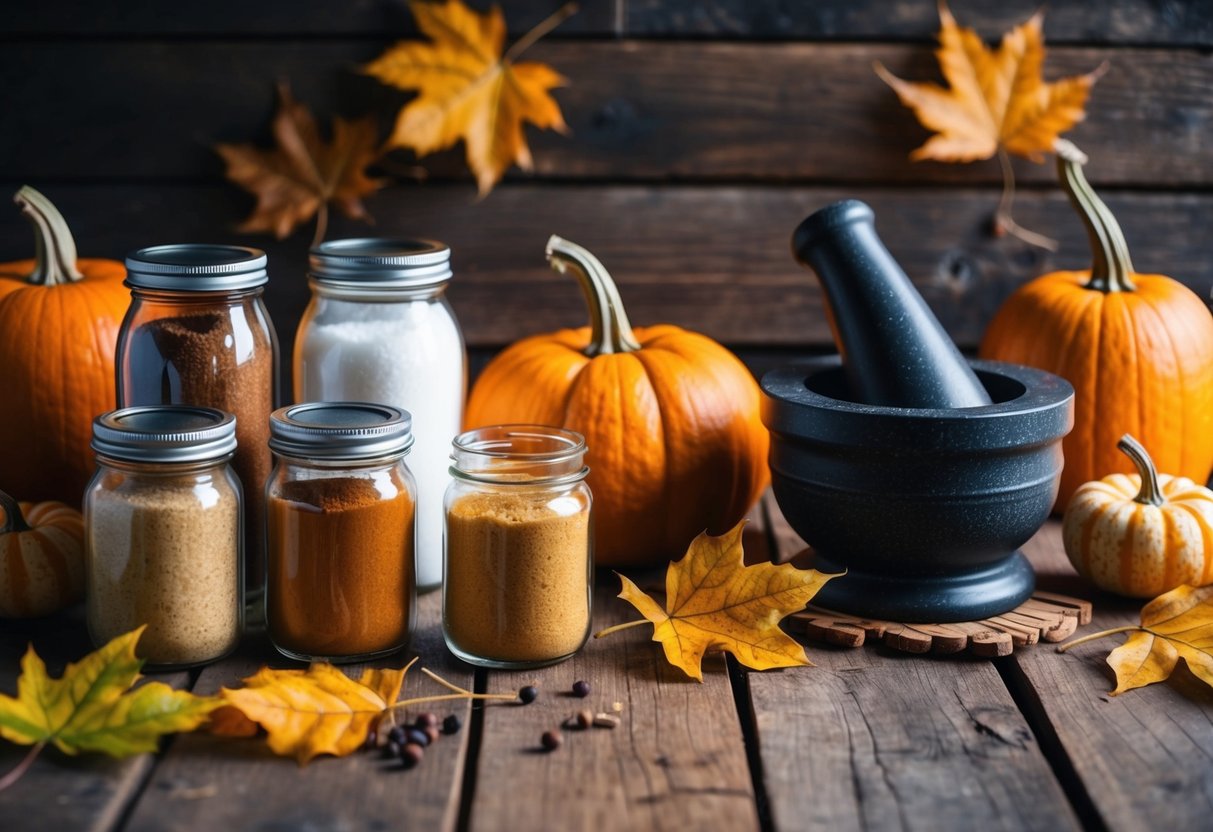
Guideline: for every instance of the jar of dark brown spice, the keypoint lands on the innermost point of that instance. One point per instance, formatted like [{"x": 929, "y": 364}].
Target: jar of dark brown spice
[{"x": 197, "y": 332}]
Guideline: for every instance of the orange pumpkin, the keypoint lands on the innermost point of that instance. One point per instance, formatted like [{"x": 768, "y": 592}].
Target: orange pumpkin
[
  {"x": 1138, "y": 349},
  {"x": 41, "y": 558},
  {"x": 59, "y": 320},
  {"x": 1141, "y": 534},
  {"x": 671, "y": 419}
]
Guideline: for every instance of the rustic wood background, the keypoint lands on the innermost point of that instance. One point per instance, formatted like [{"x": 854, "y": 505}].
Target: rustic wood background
[{"x": 702, "y": 133}]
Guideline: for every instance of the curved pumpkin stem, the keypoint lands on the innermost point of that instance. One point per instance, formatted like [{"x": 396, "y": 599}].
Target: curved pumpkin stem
[
  {"x": 1151, "y": 492},
  {"x": 610, "y": 331},
  {"x": 55, "y": 257},
  {"x": 14, "y": 521},
  {"x": 1111, "y": 268}
]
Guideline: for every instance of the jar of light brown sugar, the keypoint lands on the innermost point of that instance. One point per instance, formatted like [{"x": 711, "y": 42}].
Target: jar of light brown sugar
[
  {"x": 163, "y": 534},
  {"x": 519, "y": 566},
  {"x": 341, "y": 508}
]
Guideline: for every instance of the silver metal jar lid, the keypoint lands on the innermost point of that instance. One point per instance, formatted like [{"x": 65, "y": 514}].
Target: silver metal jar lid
[
  {"x": 165, "y": 433},
  {"x": 196, "y": 267},
  {"x": 340, "y": 430},
  {"x": 371, "y": 263}
]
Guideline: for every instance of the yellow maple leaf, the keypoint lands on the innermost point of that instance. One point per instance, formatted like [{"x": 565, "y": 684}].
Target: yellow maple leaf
[
  {"x": 469, "y": 90},
  {"x": 303, "y": 173},
  {"x": 995, "y": 98},
  {"x": 91, "y": 707},
  {"x": 1175, "y": 625},
  {"x": 715, "y": 602}
]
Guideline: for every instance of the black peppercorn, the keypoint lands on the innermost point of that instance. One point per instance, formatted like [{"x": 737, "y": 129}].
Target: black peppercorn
[
  {"x": 528, "y": 694},
  {"x": 451, "y": 724},
  {"x": 551, "y": 740},
  {"x": 581, "y": 689}
]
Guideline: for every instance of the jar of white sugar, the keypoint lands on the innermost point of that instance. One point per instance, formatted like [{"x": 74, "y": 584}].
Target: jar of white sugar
[
  {"x": 379, "y": 329},
  {"x": 163, "y": 533}
]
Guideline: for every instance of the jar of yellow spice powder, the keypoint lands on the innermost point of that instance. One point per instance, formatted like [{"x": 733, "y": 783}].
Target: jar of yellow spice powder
[{"x": 519, "y": 565}]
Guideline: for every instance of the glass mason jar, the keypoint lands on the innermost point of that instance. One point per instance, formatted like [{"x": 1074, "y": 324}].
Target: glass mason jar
[
  {"x": 341, "y": 503},
  {"x": 163, "y": 534},
  {"x": 519, "y": 565},
  {"x": 379, "y": 329},
  {"x": 197, "y": 332}
]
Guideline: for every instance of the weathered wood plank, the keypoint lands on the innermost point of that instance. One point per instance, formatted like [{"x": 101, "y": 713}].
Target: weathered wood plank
[
  {"x": 1144, "y": 758},
  {"x": 638, "y": 110},
  {"x": 207, "y": 782},
  {"x": 88, "y": 792},
  {"x": 873, "y": 740},
  {"x": 676, "y": 762},
  {"x": 714, "y": 260},
  {"x": 1119, "y": 21}
]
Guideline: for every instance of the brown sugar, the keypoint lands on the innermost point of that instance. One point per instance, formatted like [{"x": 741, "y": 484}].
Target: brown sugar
[
  {"x": 340, "y": 567},
  {"x": 517, "y": 582}
]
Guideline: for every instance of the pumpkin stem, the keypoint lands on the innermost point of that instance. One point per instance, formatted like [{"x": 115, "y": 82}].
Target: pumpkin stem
[
  {"x": 55, "y": 250},
  {"x": 14, "y": 521},
  {"x": 1111, "y": 268},
  {"x": 1150, "y": 492},
  {"x": 610, "y": 331}
]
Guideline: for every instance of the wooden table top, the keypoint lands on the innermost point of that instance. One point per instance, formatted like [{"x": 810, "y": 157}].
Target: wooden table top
[{"x": 867, "y": 739}]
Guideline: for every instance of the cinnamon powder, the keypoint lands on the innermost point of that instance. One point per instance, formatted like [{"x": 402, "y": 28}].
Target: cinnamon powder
[{"x": 340, "y": 567}]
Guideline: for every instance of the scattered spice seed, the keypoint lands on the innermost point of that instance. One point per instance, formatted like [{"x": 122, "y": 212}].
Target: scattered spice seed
[
  {"x": 551, "y": 740},
  {"x": 606, "y": 720},
  {"x": 451, "y": 725},
  {"x": 411, "y": 755},
  {"x": 617, "y": 707},
  {"x": 426, "y": 720},
  {"x": 432, "y": 732},
  {"x": 392, "y": 749},
  {"x": 417, "y": 736},
  {"x": 585, "y": 719},
  {"x": 528, "y": 694},
  {"x": 581, "y": 689}
]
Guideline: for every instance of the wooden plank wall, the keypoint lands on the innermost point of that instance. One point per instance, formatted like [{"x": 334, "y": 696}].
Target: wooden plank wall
[{"x": 702, "y": 133}]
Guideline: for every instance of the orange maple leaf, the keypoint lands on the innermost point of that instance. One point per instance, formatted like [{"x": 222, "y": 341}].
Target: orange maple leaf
[
  {"x": 303, "y": 173},
  {"x": 995, "y": 98},
  {"x": 469, "y": 90}
]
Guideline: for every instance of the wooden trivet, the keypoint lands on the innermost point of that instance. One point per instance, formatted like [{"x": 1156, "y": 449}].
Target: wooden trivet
[{"x": 1046, "y": 616}]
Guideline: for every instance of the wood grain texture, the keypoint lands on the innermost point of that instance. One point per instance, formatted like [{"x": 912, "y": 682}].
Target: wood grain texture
[
  {"x": 638, "y": 110},
  {"x": 714, "y": 260},
  {"x": 869, "y": 739},
  {"x": 1144, "y": 758},
  {"x": 1118, "y": 21},
  {"x": 207, "y": 782},
  {"x": 676, "y": 762},
  {"x": 86, "y": 792}
]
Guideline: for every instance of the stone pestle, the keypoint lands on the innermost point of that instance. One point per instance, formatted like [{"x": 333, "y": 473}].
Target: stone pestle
[{"x": 894, "y": 350}]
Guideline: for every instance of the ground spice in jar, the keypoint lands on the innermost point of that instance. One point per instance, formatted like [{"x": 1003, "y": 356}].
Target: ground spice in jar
[
  {"x": 210, "y": 358},
  {"x": 341, "y": 562},
  {"x": 516, "y": 585}
]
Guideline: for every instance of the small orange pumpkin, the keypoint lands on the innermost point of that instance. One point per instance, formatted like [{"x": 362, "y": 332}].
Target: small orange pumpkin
[
  {"x": 1141, "y": 534},
  {"x": 1138, "y": 349},
  {"x": 670, "y": 417},
  {"x": 59, "y": 320},
  {"x": 41, "y": 558}
]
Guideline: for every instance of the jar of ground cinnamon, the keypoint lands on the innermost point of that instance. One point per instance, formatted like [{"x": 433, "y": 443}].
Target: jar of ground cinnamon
[
  {"x": 197, "y": 333},
  {"x": 519, "y": 566},
  {"x": 341, "y": 510}
]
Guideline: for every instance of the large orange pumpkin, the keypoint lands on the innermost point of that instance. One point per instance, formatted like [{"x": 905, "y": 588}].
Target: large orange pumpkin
[
  {"x": 671, "y": 419},
  {"x": 41, "y": 557},
  {"x": 59, "y": 320},
  {"x": 1138, "y": 349}
]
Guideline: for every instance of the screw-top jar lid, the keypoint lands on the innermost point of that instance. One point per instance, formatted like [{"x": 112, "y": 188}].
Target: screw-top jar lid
[
  {"x": 196, "y": 267},
  {"x": 368, "y": 263},
  {"x": 165, "y": 433},
  {"x": 340, "y": 430}
]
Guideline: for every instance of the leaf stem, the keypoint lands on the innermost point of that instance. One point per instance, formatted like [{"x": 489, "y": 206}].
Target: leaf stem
[
  {"x": 23, "y": 766},
  {"x": 322, "y": 224},
  {"x": 1002, "y": 216},
  {"x": 1061, "y": 648},
  {"x": 619, "y": 627},
  {"x": 542, "y": 28}
]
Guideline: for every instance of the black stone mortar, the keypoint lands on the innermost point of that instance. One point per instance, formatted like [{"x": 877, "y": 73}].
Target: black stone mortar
[{"x": 925, "y": 509}]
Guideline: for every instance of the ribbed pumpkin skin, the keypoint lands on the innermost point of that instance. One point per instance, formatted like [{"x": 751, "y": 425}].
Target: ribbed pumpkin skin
[
  {"x": 56, "y": 374},
  {"x": 42, "y": 568},
  {"x": 1141, "y": 362},
  {"x": 1139, "y": 549},
  {"x": 676, "y": 445}
]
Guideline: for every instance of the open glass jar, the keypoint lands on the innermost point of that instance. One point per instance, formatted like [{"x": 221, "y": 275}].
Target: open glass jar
[
  {"x": 163, "y": 536},
  {"x": 519, "y": 565},
  {"x": 340, "y": 578}
]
